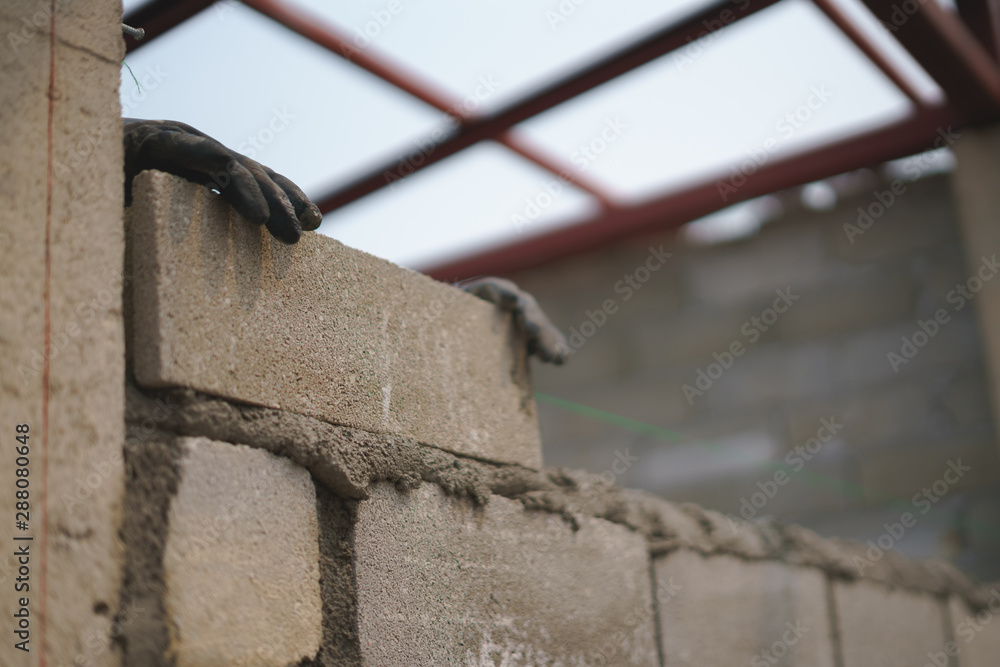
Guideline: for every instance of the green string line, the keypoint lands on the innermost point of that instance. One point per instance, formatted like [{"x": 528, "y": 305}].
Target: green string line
[
  {"x": 805, "y": 476},
  {"x": 133, "y": 76}
]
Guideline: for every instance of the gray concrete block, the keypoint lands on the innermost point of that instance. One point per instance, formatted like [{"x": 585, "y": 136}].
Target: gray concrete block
[
  {"x": 886, "y": 413},
  {"x": 769, "y": 375},
  {"x": 441, "y": 582},
  {"x": 728, "y": 611},
  {"x": 862, "y": 359},
  {"x": 783, "y": 255},
  {"x": 976, "y": 198},
  {"x": 921, "y": 217},
  {"x": 691, "y": 336},
  {"x": 319, "y": 329},
  {"x": 899, "y": 473},
  {"x": 867, "y": 300},
  {"x": 241, "y": 561},
  {"x": 61, "y": 245},
  {"x": 975, "y": 632},
  {"x": 889, "y": 628},
  {"x": 649, "y": 399}
]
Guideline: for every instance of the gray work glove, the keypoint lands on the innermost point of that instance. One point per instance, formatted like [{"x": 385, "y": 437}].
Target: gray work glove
[
  {"x": 259, "y": 194},
  {"x": 545, "y": 341}
]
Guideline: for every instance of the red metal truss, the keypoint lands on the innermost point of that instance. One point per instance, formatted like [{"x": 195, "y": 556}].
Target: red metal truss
[
  {"x": 474, "y": 129},
  {"x": 983, "y": 19},
  {"x": 337, "y": 42},
  {"x": 674, "y": 209},
  {"x": 842, "y": 21},
  {"x": 948, "y": 51},
  {"x": 959, "y": 59},
  {"x": 159, "y": 16}
]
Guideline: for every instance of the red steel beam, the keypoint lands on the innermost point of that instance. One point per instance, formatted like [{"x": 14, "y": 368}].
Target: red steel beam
[
  {"x": 982, "y": 17},
  {"x": 517, "y": 143},
  {"x": 337, "y": 42},
  {"x": 842, "y": 21},
  {"x": 159, "y": 16},
  {"x": 717, "y": 16},
  {"x": 948, "y": 51},
  {"x": 904, "y": 138}
]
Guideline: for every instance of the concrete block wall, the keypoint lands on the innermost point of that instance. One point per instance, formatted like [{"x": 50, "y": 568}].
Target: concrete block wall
[
  {"x": 62, "y": 363},
  {"x": 260, "y": 530},
  {"x": 812, "y": 393},
  {"x": 315, "y": 458}
]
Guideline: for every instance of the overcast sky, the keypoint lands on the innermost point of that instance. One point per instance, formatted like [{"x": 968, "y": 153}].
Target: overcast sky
[{"x": 785, "y": 77}]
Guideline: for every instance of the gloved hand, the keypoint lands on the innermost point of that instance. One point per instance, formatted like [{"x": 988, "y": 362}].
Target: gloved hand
[
  {"x": 545, "y": 341},
  {"x": 259, "y": 194}
]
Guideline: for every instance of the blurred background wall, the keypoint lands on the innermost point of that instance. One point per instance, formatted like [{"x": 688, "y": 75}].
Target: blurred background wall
[{"x": 872, "y": 432}]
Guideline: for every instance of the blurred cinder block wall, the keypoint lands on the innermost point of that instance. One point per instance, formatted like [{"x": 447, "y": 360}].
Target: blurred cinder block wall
[{"x": 783, "y": 354}]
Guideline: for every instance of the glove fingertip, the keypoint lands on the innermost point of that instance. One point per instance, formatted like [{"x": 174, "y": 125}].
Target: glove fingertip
[{"x": 311, "y": 218}]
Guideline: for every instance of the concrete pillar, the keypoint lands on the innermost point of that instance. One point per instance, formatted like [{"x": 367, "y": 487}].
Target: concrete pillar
[
  {"x": 61, "y": 333},
  {"x": 976, "y": 185}
]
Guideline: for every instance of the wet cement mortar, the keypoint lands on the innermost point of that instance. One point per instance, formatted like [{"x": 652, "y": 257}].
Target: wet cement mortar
[{"x": 347, "y": 461}]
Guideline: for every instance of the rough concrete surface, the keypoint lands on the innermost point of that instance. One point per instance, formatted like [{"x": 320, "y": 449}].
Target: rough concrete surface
[
  {"x": 977, "y": 199},
  {"x": 241, "y": 560},
  {"x": 154, "y": 475},
  {"x": 885, "y": 627},
  {"x": 976, "y": 633},
  {"x": 319, "y": 329},
  {"x": 349, "y": 460},
  {"x": 61, "y": 201},
  {"x": 442, "y": 582},
  {"x": 726, "y": 611}
]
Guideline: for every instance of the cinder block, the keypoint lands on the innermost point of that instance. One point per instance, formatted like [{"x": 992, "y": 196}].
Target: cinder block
[
  {"x": 691, "y": 336},
  {"x": 241, "y": 560},
  {"x": 853, "y": 303},
  {"x": 922, "y": 216},
  {"x": 61, "y": 246},
  {"x": 891, "y": 412},
  {"x": 440, "y": 582},
  {"x": 934, "y": 472},
  {"x": 648, "y": 399},
  {"x": 888, "y": 628},
  {"x": 976, "y": 633},
  {"x": 863, "y": 359},
  {"x": 728, "y": 611},
  {"x": 976, "y": 198},
  {"x": 783, "y": 255},
  {"x": 769, "y": 374},
  {"x": 319, "y": 329}
]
